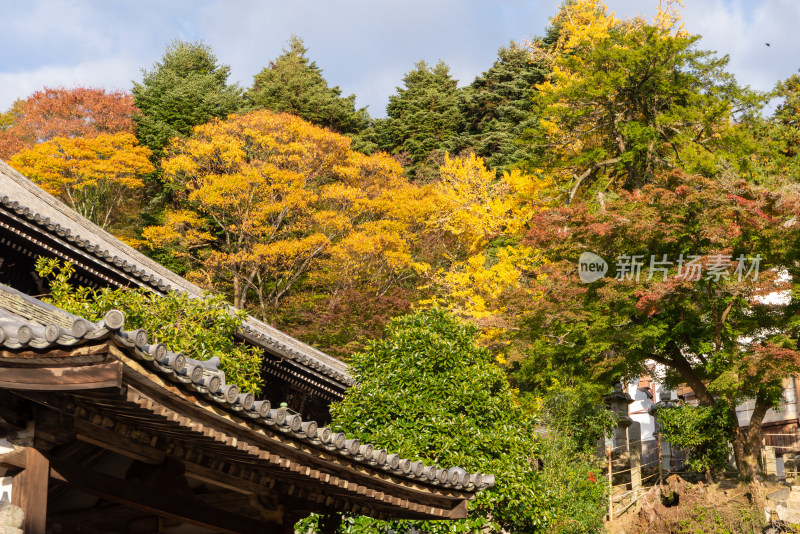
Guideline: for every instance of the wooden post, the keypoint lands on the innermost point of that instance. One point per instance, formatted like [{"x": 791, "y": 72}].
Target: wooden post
[
  {"x": 635, "y": 448},
  {"x": 660, "y": 465},
  {"x": 610, "y": 490},
  {"x": 29, "y": 491}
]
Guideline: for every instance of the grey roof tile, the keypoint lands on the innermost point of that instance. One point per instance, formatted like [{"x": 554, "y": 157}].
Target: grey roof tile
[{"x": 206, "y": 379}]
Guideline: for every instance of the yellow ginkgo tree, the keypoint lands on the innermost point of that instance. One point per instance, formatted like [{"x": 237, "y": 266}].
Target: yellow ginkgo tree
[{"x": 481, "y": 218}]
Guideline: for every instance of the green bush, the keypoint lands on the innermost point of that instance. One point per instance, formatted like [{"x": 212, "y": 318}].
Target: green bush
[
  {"x": 200, "y": 328},
  {"x": 575, "y": 419},
  {"x": 430, "y": 393},
  {"x": 702, "y": 431}
]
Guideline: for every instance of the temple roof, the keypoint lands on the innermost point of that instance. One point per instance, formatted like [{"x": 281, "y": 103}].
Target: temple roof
[
  {"x": 45, "y": 349},
  {"x": 108, "y": 258}
]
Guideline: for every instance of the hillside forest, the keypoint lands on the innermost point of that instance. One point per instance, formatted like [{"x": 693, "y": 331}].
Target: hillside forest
[{"x": 455, "y": 224}]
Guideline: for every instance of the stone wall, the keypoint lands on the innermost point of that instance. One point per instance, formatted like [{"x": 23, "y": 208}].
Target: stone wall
[{"x": 11, "y": 517}]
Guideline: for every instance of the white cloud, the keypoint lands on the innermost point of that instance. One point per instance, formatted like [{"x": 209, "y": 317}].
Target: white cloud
[
  {"x": 111, "y": 73},
  {"x": 363, "y": 46}
]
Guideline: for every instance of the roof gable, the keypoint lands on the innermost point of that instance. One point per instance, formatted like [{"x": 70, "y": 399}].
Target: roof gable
[{"x": 32, "y": 207}]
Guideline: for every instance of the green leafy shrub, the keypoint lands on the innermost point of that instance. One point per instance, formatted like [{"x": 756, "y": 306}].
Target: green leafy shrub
[
  {"x": 703, "y": 431},
  {"x": 574, "y": 419},
  {"x": 428, "y": 392},
  {"x": 578, "y": 412},
  {"x": 576, "y": 490},
  {"x": 200, "y": 328}
]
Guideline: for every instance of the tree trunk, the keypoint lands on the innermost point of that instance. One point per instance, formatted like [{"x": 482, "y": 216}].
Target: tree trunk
[{"x": 747, "y": 441}]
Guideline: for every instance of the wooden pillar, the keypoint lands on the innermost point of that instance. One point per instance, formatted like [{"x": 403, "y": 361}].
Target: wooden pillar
[
  {"x": 610, "y": 489},
  {"x": 635, "y": 448},
  {"x": 29, "y": 491}
]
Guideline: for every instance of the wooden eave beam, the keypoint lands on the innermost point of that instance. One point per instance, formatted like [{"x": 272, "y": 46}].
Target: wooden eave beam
[
  {"x": 220, "y": 425},
  {"x": 214, "y": 423},
  {"x": 247, "y": 478},
  {"x": 46, "y": 357},
  {"x": 62, "y": 378},
  {"x": 44, "y": 242},
  {"x": 110, "y": 440}
]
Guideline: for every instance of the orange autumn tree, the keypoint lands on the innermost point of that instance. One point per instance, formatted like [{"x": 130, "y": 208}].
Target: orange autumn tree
[
  {"x": 50, "y": 113},
  {"x": 99, "y": 177},
  {"x": 265, "y": 201}
]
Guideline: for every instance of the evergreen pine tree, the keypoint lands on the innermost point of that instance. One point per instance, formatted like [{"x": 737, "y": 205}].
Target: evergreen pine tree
[
  {"x": 294, "y": 84},
  {"x": 188, "y": 87},
  {"x": 498, "y": 107},
  {"x": 422, "y": 118}
]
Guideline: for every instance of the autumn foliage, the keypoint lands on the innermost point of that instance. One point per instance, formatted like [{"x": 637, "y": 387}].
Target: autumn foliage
[
  {"x": 50, "y": 113},
  {"x": 709, "y": 300},
  {"x": 620, "y": 137},
  {"x": 97, "y": 176}
]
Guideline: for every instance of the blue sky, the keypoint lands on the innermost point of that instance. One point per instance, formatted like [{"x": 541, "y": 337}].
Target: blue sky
[{"x": 363, "y": 46}]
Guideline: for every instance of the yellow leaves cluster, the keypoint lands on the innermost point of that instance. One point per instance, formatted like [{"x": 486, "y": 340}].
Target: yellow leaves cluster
[
  {"x": 471, "y": 202},
  {"x": 477, "y": 285},
  {"x": 265, "y": 200},
  {"x": 668, "y": 15},
  {"x": 376, "y": 255},
  {"x": 473, "y": 208},
  {"x": 96, "y": 176},
  {"x": 182, "y": 226},
  {"x": 473, "y": 205},
  {"x": 582, "y": 23}
]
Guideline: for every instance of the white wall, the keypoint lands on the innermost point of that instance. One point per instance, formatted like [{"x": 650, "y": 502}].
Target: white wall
[
  {"x": 5, "y": 481},
  {"x": 788, "y": 409},
  {"x": 638, "y": 409}
]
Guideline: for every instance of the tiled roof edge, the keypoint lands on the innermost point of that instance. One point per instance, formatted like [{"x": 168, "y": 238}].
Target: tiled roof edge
[
  {"x": 153, "y": 281},
  {"x": 206, "y": 379}
]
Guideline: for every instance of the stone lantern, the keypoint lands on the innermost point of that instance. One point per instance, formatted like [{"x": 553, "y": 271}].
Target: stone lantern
[{"x": 618, "y": 401}]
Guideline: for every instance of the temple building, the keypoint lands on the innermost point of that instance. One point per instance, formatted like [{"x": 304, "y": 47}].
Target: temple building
[{"x": 105, "y": 429}]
